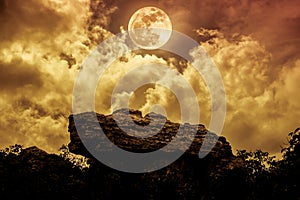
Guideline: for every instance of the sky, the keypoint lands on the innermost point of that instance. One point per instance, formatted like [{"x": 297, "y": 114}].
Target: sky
[{"x": 254, "y": 44}]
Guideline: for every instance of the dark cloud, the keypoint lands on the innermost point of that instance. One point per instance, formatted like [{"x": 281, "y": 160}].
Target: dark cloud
[
  {"x": 69, "y": 58},
  {"x": 275, "y": 24},
  {"x": 2, "y": 5},
  {"x": 18, "y": 74},
  {"x": 29, "y": 17},
  {"x": 100, "y": 17},
  {"x": 22, "y": 103}
]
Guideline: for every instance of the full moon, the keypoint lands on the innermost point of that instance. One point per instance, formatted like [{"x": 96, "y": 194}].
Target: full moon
[{"x": 150, "y": 28}]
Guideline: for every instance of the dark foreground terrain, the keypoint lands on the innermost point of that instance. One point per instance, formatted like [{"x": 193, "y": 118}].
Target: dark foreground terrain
[{"x": 32, "y": 173}]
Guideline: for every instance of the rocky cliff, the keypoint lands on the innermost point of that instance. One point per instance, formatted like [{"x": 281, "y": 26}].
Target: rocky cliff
[
  {"x": 189, "y": 177},
  {"x": 140, "y": 144}
]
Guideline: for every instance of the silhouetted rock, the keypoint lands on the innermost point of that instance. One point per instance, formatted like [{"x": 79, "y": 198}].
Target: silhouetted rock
[
  {"x": 125, "y": 140},
  {"x": 186, "y": 178}
]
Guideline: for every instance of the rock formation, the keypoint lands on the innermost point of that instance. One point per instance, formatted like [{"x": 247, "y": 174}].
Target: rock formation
[
  {"x": 140, "y": 144},
  {"x": 188, "y": 177}
]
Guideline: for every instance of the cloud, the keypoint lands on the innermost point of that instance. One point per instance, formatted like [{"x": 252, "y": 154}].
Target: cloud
[
  {"x": 41, "y": 41},
  {"x": 274, "y": 24},
  {"x": 16, "y": 74},
  {"x": 256, "y": 102},
  {"x": 261, "y": 103}
]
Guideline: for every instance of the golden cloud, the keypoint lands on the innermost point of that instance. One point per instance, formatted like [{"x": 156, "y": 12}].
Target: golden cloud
[
  {"x": 42, "y": 39},
  {"x": 45, "y": 42}
]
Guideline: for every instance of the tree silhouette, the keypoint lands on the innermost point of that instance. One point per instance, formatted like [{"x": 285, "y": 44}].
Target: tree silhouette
[{"x": 291, "y": 153}]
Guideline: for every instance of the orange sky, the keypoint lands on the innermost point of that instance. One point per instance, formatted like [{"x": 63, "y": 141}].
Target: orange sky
[{"x": 255, "y": 45}]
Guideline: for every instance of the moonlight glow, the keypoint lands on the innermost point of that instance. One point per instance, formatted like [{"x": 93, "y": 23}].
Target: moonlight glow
[{"x": 150, "y": 28}]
